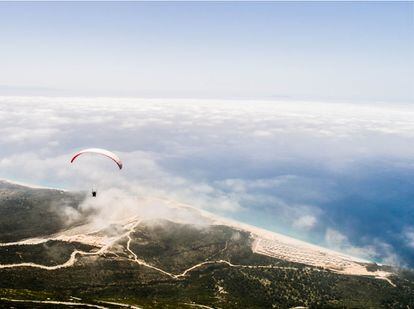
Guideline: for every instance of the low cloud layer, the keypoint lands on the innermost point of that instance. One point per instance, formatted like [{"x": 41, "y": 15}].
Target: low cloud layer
[{"x": 337, "y": 174}]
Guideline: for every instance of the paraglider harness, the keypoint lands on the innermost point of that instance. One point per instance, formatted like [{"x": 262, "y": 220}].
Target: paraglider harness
[{"x": 93, "y": 193}]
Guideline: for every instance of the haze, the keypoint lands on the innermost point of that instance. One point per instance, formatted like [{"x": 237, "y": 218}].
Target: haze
[
  {"x": 321, "y": 50},
  {"x": 295, "y": 117}
]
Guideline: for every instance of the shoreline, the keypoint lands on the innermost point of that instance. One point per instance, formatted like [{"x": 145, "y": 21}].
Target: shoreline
[{"x": 32, "y": 186}]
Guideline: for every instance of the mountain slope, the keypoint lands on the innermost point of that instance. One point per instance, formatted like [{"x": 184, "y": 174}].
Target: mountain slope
[{"x": 161, "y": 263}]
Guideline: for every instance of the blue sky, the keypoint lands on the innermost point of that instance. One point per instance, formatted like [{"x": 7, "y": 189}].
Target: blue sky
[{"x": 320, "y": 50}]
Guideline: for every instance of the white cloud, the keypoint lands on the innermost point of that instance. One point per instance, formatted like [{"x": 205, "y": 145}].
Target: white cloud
[
  {"x": 306, "y": 222},
  {"x": 225, "y": 156},
  {"x": 408, "y": 235},
  {"x": 374, "y": 251},
  {"x": 335, "y": 238}
]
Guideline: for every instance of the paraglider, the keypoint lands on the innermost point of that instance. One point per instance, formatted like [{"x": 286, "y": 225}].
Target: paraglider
[{"x": 102, "y": 152}]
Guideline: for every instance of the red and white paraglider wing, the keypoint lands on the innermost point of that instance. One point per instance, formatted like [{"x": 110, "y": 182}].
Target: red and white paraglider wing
[{"x": 103, "y": 152}]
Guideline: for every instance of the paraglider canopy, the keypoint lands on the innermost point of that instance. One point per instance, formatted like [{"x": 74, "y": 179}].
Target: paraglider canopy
[
  {"x": 99, "y": 151},
  {"x": 102, "y": 152}
]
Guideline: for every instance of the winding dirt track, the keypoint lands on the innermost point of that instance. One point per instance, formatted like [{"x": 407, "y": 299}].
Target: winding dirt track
[
  {"x": 106, "y": 248},
  {"x": 53, "y": 302},
  {"x": 70, "y": 303}
]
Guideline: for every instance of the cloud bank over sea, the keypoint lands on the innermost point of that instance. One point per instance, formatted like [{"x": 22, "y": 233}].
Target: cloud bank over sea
[{"x": 336, "y": 174}]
